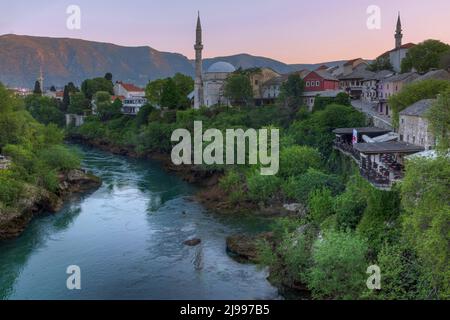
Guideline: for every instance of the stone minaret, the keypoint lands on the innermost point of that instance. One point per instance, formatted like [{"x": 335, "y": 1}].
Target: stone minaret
[
  {"x": 398, "y": 33},
  {"x": 199, "y": 99},
  {"x": 41, "y": 79}
]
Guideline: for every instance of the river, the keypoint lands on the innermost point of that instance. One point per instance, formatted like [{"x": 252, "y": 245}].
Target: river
[{"x": 127, "y": 238}]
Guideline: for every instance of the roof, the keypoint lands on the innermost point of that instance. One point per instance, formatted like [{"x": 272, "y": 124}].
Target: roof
[
  {"x": 434, "y": 74},
  {"x": 359, "y": 74},
  {"x": 351, "y": 62},
  {"x": 387, "y": 147},
  {"x": 403, "y": 77},
  {"x": 408, "y": 45},
  {"x": 130, "y": 87},
  {"x": 366, "y": 130},
  {"x": 418, "y": 108},
  {"x": 221, "y": 67},
  {"x": 325, "y": 75},
  {"x": 114, "y": 98},
  {"x": 380, "y": 75}
]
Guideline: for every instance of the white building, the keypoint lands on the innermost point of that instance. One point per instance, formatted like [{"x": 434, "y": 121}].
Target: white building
[
  {"x": 134, "y": 97},
  {"x": 214, "y": 83}
]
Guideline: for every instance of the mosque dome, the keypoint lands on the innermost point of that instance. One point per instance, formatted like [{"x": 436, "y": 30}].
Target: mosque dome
[{"x": 221, "y": 67}]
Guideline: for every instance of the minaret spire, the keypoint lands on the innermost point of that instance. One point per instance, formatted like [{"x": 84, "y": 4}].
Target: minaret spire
[
  {"x": 398, "y": 33},
  {"x": 198, "y": 91},
  {"x": 41, "y": 79}
]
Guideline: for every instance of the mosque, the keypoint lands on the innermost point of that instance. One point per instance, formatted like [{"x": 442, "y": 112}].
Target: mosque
[{"x": 209, "y": 85}]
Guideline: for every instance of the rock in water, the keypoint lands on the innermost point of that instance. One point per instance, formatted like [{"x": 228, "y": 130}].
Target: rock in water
[{"x": 193, "y": 242}]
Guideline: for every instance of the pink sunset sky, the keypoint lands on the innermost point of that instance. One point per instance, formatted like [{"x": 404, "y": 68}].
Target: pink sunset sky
[{"x": 292, "y": 31}]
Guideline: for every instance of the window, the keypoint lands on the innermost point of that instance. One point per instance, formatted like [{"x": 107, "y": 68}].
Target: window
[
  {"x": 256, "y": 82},
  {"x": 317, "y": 83},
  {"x": 308, "y": 83}
]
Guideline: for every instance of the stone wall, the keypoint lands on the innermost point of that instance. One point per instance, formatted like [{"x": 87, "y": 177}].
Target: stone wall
[{"x": 415, "y": 130}]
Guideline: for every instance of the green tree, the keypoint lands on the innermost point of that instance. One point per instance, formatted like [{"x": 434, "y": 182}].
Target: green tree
[
  {"x": 339, "y": 266},
  {"x": 90, "y": 87},
  {"x": 292, "y": 90},
  {"x": 262, "y": 188},
  {"x": 106, "y": 110},
  {"x": 78, "y": 103},
  {"x": 439, "y": 118},
  {"x": 317, "y": 130},
  {"x": 109, "y": 76},
  {"x": 321, "y": 205},
  {"x": 170, "y": 95},
  {"x": 426, "y": 199},
  {"x": 154, "y": 91},
  {"x": 425, "y": 56},
  {"x": 299, "y": 188},
  {"x": 185, "y": 85},
  {"x": 350, "y": 205},
  {"x": 66, "y": 99},
  {"x": 44, "y": 109},
  {"x": 238, "y": 89},
  {"x": 37, "y": 88},
  {"x": 296, "y": 160},
  {"x": 402, "y": 277},
  {"x": 381, "y": 63}
]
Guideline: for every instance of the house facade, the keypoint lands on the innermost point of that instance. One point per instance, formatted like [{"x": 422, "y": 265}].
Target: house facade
[
  {"x": 391, "y": 86},
  {"x": 320, "y": 80},
  {"x": 132, "y": 97},
  {"x": 414, "y": 127}
]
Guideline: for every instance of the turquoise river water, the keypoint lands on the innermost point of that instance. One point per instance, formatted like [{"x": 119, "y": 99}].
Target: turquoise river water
[{"x": 127, "y": 238}]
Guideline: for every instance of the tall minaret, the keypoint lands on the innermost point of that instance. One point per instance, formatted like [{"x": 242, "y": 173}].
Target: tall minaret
[
  {"x": 398, "y": 33},
  {"x": 41, "y": 79},
  {"x": 198, "y": 91}
]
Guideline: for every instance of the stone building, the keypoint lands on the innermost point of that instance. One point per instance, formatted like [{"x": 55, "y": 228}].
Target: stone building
[
  {"x": 391, "y": 86},
  {"x": 258, "y": 78},
  {"x": 214, "y": 83},
  {"x": 414, "y": 127}
]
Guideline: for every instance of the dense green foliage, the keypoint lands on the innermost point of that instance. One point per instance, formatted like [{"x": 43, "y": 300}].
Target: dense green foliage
[
  {"x": 238, "y": 89},
  {"x": 170, "y": 93},
  {"x": 439, "y": 118},
  {"x": 425, "y": 56},
  {"x": 35, "y": 150}
]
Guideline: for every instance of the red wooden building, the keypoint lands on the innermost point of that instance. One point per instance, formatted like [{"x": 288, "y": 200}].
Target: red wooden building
[{"x": 320, "y": 80}]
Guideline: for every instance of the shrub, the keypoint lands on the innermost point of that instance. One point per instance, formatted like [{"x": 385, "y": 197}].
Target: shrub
[
  {"x": 339, "y": 266},
  {"x": 351, "y": 204},
  {"x": 402, "y": 277},
  {"x": 296, "y": 160},
  {"x": 262, "y": 188},
  {"x": 60, "y": 158},
  {"x": 321, "y": 205},
  {"x": 10, "y": 190},
  {"x": 299, "y": 188}
]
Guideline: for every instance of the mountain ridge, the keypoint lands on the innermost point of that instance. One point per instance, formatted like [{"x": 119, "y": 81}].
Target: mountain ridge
[{"x": 70, "y": 59}]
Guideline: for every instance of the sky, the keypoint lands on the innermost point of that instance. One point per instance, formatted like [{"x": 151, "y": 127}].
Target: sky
[{"x": 292, "y": 31}]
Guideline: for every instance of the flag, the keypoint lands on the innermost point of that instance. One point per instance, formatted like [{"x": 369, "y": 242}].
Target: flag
[{"x": 355, "y": 136}]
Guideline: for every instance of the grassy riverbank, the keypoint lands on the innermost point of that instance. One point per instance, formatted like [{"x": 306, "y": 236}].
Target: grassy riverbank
[{"x": 41, "y": 170}]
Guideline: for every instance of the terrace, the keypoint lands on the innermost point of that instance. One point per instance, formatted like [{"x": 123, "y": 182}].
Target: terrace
[{"x": 381, "y": 163}]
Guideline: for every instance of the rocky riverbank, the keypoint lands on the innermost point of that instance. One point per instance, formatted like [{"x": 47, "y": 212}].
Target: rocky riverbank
[{"x": 13, "y": 221}]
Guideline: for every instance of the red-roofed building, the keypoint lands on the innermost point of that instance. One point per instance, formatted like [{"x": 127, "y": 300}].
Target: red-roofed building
[
  {"x": 128, "y": 90},
  {"x": 320, "y": 80}
]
